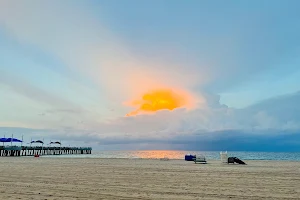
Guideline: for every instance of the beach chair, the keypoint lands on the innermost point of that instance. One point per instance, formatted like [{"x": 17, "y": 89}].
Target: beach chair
[
  {"x": 224, "y": 157},
  {"x": 200, "y": 159}
]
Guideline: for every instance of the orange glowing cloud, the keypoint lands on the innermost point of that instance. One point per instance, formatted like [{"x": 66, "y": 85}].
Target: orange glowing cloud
[{"x": 160, "y": 99}]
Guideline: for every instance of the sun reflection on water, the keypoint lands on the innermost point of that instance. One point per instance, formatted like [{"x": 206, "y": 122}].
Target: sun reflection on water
[{"x": 154, "y": 154}]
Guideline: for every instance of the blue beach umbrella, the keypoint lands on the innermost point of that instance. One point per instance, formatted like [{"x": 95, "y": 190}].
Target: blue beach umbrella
[
  {"x": 3, "y": 139},
  {"x": 13, "y": 140},
  {"x": 10, "y": 140}
]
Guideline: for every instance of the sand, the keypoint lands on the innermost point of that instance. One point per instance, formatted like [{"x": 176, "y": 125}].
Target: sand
[{"x": 92, "y": 178}]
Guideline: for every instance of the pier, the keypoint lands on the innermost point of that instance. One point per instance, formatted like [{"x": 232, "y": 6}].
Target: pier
[{"x": 40, "y": 150}]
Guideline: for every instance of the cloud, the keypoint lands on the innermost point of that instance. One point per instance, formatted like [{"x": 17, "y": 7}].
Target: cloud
[
  {"x": 281, "y": 112},
  {"x": 210, "y": 128},
  {"x": 230, "y": 140},
  {"x": 264, "y": 126}
]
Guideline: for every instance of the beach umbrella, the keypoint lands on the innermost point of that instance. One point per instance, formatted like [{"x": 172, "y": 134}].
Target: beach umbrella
[
  {"x": 3, "y": 139},
  {"x": 16, "y": 140},
  {"x": 13, "y": 140},
  {"x": 55, "y": 143},
  {"x": 10, "y": 140},
  {"x": 37, "y": 141}
]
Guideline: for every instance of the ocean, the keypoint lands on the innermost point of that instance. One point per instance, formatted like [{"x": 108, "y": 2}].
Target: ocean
[{"x": 210, "y": 155}]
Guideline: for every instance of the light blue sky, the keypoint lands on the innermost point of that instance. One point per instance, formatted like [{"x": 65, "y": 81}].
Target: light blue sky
[
  {"x": 71, "y": 65},
  {"x": 253, "y": 44}
]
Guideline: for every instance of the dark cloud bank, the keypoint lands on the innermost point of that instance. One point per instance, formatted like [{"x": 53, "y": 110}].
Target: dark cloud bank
[{"x": 230, "y": 140}]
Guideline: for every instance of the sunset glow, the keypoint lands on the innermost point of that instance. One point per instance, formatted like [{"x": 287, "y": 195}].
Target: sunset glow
[{"x": 160, "y": 99}]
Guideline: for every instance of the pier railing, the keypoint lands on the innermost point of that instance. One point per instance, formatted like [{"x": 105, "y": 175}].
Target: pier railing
[{"x": 41, "y": 150}]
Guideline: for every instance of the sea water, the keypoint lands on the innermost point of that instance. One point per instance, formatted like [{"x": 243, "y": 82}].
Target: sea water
[{"x": 210, "y": 155}]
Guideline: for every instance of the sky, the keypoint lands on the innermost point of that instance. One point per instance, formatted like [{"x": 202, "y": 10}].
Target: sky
[{"x": 169, "y": 74}]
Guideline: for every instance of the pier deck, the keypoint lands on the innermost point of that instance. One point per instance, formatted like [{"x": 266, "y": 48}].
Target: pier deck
[{"x": 33, "y": 150}]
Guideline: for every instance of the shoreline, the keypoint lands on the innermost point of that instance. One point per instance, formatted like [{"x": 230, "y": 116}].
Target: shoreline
[{"x": 159, "y": 159}]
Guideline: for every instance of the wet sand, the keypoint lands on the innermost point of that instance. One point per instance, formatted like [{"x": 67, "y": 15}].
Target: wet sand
[{"x": 91, "y": 178}]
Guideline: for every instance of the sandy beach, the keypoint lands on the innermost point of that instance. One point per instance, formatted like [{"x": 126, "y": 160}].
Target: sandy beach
[{"x": 91, "y": 178}]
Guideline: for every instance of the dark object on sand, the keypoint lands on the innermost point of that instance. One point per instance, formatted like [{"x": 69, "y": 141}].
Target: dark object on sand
[
  {"x": 230, "y": 160},
  {"x": 235, "y": 160},
  {"x": 239, "y": 161},
  {"x": 190, "y": 157}
]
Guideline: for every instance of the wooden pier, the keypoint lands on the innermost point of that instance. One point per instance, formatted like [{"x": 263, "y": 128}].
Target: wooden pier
[{"x": 39, "y": 150}]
